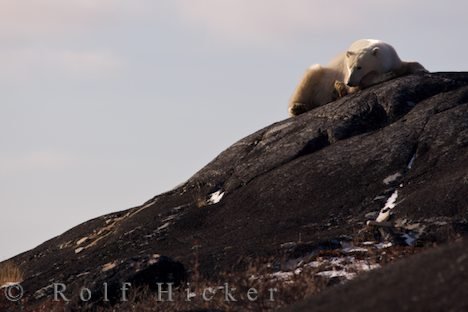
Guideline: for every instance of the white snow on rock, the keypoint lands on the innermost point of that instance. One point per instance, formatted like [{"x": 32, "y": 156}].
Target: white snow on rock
[
  {"x": 81, "y": 241},
  {"x": 364, "y": 266},
  {"x": 348, "y": 247},
  {"x": 215, "y": 197},
  {"x": 355, "y": 249},
  {"x": 389, "y": 205},
  {"x": 392, "y": 178},
  {"x": 83, "y": 274},
  {"x": 379, "y": 197},
  {"x": 411, "y": 162},
  {"x": 163, "y": 227},
  {"x": 343, "y": 267},
  {"x": 337, "y": 273},
  {"x": 347, "y": 267},
  {"x": 383, "y": 245},
  {"x": 65, "y": 245},
  {"x": 170, "y": 218},
  {"x": 78, "y": 250},
  {"x": 109, "y": 266},
  {"x": 282, "y": 275}
]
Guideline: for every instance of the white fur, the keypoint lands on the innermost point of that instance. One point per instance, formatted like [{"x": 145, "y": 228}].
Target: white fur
[
  {"x": 373, "y": 66},
  {"x": 367, "y": 62}
]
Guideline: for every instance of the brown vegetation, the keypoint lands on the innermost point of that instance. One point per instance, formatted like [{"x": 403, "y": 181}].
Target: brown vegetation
[{"x": 10, "y": 273}]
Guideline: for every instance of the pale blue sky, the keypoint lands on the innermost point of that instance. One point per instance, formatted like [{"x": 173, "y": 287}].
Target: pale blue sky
[{"x": 106, "y": 103}]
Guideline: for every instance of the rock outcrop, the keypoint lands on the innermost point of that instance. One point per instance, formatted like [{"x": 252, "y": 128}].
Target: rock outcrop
[
  {"x": 433, "y": 281},
  {"x": 396, "y": 152}
]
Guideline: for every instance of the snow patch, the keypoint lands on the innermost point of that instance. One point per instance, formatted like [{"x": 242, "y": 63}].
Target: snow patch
[
  {"x": 392, "y": 178},
  {"x": 347, "y": 267},
  {"x": 383, "y": 245},
  {"x": 351, "y": 248},
  {"x": 337, "y": 273},
  {"x": 215, "y": 197},
  {"x": 109, "y": 266},
  {"x": 364, "y": 266},
  {"x": 411, "y": 162},
  {"x": 169, "y": 218},
  {"x": 131, "y": 231},
  {"x": 83, "y": 274},
  {"x": 314, "y": 264},
  {"x": 163, "y": 227},
  {"x": 282, "y": 275},
  {"x": 355, "y": 249},
  {"x": 78, "y": 250},
  {"x": 81, "y": 241},
  {"x": 65, "y": 245},
  {"x": 389, "y": 205}
]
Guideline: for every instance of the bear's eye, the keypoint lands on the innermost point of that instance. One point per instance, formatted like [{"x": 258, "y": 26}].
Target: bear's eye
[{"x": 358, "y": 67}]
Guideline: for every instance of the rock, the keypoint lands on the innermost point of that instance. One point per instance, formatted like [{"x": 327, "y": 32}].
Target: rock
[
  {"x": 104, "y": 283},
  {"x": 433, "y": 281},
  {"x": 294, "y": 189}
]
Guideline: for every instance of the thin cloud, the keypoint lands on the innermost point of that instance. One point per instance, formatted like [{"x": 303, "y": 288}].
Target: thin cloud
[
  {"x": 249, "y": 20},
  {"x": 269, "y": 20},
  {"x": 20, "y": 64},
  {"x": 37, "y": 19},
  {"x": 36, "y": 160},
  {"x": 254, "y": 20},
  {"x": 89, "y": 62}
]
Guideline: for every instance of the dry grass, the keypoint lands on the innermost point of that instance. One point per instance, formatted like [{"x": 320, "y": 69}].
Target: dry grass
[
  {"x": 10, "y": 273},
  {"x": 258, "y": 275},
  {"x": 198, "y": 198},
  {"x": 269, "y": 294}
]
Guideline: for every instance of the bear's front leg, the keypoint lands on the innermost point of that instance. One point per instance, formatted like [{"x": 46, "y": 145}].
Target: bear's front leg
[
  {"x": 297, "y": 108},
  {"x": 341, "y": 89}
]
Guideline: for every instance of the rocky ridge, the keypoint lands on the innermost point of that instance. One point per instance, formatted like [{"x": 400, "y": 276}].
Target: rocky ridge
[{"x": 380, "y": 170}]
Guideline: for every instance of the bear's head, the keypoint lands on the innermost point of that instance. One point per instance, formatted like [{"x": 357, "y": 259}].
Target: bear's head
[{"x": 363, "y": 66}]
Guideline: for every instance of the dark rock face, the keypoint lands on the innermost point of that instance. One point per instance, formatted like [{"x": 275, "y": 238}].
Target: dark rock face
[
  {"x": 432, "y": 281},
  {"x": 309, "y": 182}
]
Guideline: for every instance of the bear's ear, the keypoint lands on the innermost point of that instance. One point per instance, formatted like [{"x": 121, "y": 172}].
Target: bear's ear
[
  {"x": 349, "y": 53},
  {"x": 375, "y": 51}
]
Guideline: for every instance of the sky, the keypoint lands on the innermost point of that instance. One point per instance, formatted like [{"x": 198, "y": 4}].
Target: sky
[{"x": 107, "y": 103}]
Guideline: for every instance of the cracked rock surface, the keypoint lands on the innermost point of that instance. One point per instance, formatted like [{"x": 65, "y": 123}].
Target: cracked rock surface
[{"x": 317, "y": 178}]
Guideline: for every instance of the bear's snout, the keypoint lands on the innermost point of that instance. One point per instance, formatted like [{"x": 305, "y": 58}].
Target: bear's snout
[{"x": 351, "y": 83}]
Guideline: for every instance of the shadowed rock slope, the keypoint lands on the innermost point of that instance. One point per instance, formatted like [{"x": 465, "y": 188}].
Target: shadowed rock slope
[
  {"x": 286, "y": 192},
  {"x": 433, "y": 281}
]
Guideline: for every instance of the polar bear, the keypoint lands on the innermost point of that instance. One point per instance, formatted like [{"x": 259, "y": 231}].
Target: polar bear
[{"x": 367, "y": 62}]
